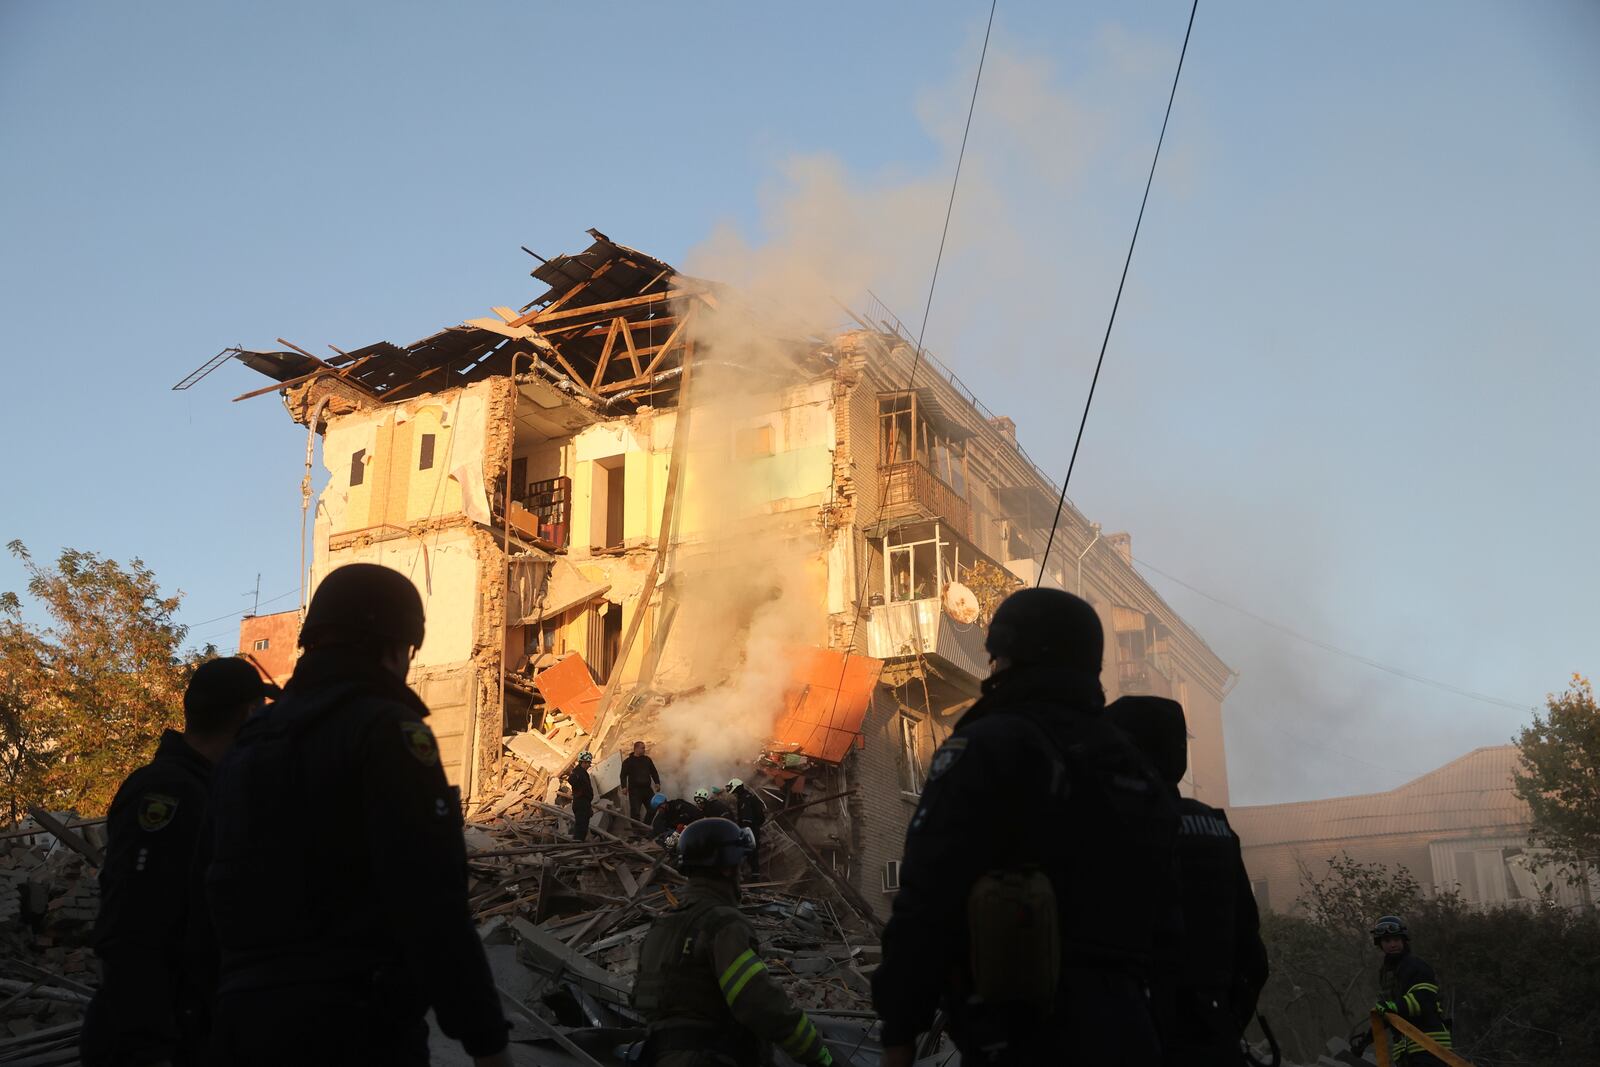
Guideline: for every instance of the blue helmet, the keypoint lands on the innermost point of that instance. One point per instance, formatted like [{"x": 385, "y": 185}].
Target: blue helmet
[{"x": 657, "y": 800}]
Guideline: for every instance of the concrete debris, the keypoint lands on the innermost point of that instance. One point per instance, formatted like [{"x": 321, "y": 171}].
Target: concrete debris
[
  {"x": 562, "y": 923},
  {"x": 49, "y": 897}
]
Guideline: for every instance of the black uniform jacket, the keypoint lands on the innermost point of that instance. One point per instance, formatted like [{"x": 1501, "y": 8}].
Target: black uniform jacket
[
  {"x": 1033, "y": 774},
  {"x": 582, "y": 785},
  {"x": 338, "y": 861},
  {"x": 639, "y": 774},
  {"x": 671, "y": 815},
  {"x": 156, "y": 970},
  {"x": 1223, "y": 963}
]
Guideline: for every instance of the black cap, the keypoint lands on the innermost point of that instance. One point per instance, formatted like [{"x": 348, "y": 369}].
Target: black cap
[
  {"x": 1156, "y": 726},
  {"x": 1047, "y": 626},
  {"x": 364, "y": 602},
  {"x": 217, "y": 689}
]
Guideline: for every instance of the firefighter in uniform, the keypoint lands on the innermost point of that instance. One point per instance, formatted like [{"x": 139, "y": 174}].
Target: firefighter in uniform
[
  {"x": 667, "y": 817},
  {"x": 338, "y": 876},
  {"x": 1408, "y": 989},
  {"x": 711, "y": 807},
  {"x": 1208, "y": 996},
  {"x": 750, "y": 813},
  {"x": 702, "y": 987},
  {"x": 582, "y": 795},
  {"x": 156, "y": 971},
  {"x": 1034, "y": 932}
]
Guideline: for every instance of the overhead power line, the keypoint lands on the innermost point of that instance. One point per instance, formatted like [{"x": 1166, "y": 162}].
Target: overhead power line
[
  {"x": 1112, "y": 321},
  {"x": 927, "y": 309},
  {"x": 1399, "y": 672},
  {"x": 242, "y": 611}
]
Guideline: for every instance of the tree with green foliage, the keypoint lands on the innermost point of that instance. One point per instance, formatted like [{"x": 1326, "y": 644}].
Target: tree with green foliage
[
  {"x": 83, "y": 700},
  {"x": 1559, "y": 779}
]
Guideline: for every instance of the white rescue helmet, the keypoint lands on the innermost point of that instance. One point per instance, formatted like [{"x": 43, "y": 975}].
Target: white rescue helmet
[
  {"x": 735, "y": 784},
  {"x": 702, "y": 795}
]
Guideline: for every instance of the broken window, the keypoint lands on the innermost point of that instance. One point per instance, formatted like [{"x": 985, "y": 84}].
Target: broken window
[
  {"x": 894, "y": 428},
  {"x": 911, "y": 773},
  {"x": 922, "y": 561},
  {"x": 425, "y": 459},
  {"x": 358, "y": 467}
]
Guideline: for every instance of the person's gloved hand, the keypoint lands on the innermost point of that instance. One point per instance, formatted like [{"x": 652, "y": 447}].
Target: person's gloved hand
[{"x": 1386, "y": 1006}]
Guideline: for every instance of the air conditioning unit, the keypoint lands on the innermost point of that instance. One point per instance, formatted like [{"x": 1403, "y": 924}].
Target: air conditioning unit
[{"x": 891, "y": 876}]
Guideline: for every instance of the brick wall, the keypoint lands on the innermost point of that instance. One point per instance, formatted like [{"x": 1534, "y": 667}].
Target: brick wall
[{"x": 281, "y": 632}]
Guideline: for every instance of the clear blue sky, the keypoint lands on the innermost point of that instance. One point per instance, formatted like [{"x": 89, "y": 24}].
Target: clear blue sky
[{"x": 1352, "y": 388}]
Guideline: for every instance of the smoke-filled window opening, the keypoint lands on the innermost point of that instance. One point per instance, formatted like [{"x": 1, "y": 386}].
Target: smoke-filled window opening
[
  {"x": 907, "y": 434},
  {"x": 894, "y": 428}
]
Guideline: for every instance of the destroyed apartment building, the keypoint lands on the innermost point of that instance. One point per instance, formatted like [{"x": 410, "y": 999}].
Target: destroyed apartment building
[{"x": 637, "y": 508}]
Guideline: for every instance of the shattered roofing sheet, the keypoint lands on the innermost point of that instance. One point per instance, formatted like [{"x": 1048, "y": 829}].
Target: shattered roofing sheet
[
  {"x": 824, "y": 709},
  {"x": 605, "y": 272},
  {"x": 570, "y": 687}
]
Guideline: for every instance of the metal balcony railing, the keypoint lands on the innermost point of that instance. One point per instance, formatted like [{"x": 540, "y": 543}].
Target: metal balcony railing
[{"x": 911, "y": 488}]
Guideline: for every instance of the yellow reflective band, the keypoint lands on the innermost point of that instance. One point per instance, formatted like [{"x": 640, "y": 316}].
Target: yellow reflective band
[
  {"x": 1429, "y": 986},
  {"x": 811, "y": 1035},
  {"x": 735, "y": 966},
  {"x": 799, "y": 1028},
  {"x": 756, "y": 967},
  {"x": 1411, "y": 1001}
]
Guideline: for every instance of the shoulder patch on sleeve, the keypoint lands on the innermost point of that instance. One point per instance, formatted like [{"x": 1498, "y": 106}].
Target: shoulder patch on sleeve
[
  {"x": 946, "y": 757},
  {"x": 420, "y": 742},
  {"x": 156, "y": 811}
]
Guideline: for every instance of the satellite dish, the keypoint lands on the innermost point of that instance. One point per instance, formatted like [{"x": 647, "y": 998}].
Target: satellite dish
[{"x": 961, "y": 603}]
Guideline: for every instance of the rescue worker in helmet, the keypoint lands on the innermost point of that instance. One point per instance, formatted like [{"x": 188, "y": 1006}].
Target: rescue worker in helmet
[
  {"x": 667, "y": 817},
  {"x": 339, "y": 935},
  {"x": 711, "y": 807},
  {"x": 582, "y": 795},
  {"x": 705, "y": 994},
  {"x": 1204, "y": 1000},
  {"x": 1035, "y": 932},
  {"x": 1407, "y": 988},
  {"x": 751, "y": 813}
]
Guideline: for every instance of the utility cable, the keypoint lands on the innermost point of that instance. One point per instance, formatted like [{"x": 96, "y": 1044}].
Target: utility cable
[
  {"x": 927, "y": 309},
  {"x": 1106, "y": 340},
  {"x": 1399, "y": 672}
]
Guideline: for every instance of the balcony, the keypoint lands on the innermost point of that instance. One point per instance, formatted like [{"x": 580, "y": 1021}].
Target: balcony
[
  {"x": 1145, "y": 676},
  {"x": 921, "y": 627},
  {"x": 912, "y": 491}
]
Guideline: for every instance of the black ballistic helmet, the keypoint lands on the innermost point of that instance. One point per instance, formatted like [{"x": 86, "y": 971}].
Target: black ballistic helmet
[
  {"x": 1156, "y": 727},
  {"x": 1047, "y": 626},
  {"x": 714, "y": 843},
  {"x": 1390, "y": 926},
  {"x": 363, "y": 602},
  {"x": 217, "y": 689}
]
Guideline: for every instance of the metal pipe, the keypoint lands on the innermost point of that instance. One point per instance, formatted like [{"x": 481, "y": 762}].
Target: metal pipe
[{"x": 1095, "y": 526}]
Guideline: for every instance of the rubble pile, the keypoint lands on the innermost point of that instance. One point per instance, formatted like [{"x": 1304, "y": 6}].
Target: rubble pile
[
  {"x": 564, "y": 920},
  {"x": 49, "y": 896}
]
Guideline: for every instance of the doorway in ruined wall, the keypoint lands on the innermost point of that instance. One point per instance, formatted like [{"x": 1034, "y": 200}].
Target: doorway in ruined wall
[
  {"x": 608, "y": 496},
  {"x": 605, "y": 639}
]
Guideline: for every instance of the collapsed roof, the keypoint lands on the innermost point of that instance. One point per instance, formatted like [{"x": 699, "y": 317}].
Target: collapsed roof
[{"x": 610, "y": 331}]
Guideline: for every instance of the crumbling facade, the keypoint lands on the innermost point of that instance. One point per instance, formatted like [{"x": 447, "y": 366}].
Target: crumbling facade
[{"x": 635, "y": 494}]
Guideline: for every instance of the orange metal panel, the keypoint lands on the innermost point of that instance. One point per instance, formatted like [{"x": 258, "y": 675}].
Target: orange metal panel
[
  {"x": 827, "y": 702},
  {"x": 570, "y": 687}
]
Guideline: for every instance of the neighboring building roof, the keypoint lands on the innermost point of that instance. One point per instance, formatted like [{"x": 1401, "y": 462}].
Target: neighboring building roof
[{"x": 1472, "y": 792}]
